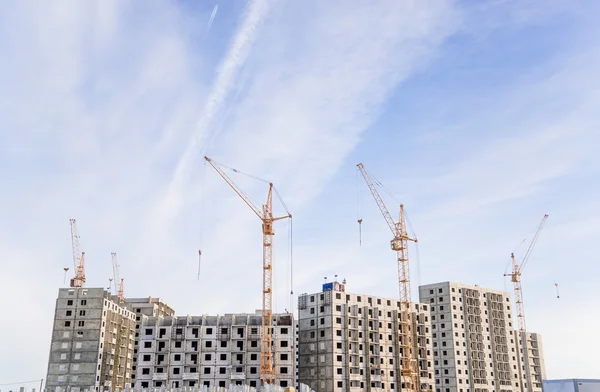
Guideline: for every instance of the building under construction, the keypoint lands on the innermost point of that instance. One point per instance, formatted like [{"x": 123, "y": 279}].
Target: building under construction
[
  {"x": 476, "y": 346},
  {"x": 351, "y": 342},
  {"x": 212, "y": 351},
  {"x": 92, "y": 344}
]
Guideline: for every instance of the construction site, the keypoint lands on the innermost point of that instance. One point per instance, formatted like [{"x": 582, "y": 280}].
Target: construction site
[{"x": 454, "y": 337}]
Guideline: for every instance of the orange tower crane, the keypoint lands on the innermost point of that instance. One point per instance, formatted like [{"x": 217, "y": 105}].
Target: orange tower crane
[
  {"x": 399, "y": 244},
  {"x": 267, "y": 373},
  {"x": 118, "y": 280},
  {"x": 78, "y": 257},
  {"x": 515, "y": 276}
]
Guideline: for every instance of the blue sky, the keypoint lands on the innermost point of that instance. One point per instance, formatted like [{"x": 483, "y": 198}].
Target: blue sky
[{"x": 479, "y": 116}]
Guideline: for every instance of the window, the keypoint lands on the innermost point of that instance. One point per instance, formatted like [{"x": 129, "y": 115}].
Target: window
[
  {"x": 147, "y": 344},
  {"x": 82, "y": 312},
  {"x": 339, "y": 358},
  {"x": 148, "y": 331},
  {"x": 145, "y": 370},
  {"x": 77, "y": 356},
  {"x": 209, "y": 331},
  {"x": 222, "y": 370},
  {"x": 284, "y": 331},
  {"x": 176, "y": 370},
  {"x": 283, "y": 343},
  {"x": 208, "y": 344},
  {"x": 177, "y": 344},
  {"x": 69, "y": 313},
  {"x": 223, "y": 357},
  {"x": 177, "y": 357},
  {"x": 81, "y": 323},
  {"x": 206, "y": 370},
  {"x": 283, "y": 370},
  {"x": 253, "y": 370},
  {"x": 70, "y": 302},
  {"x": 283, "y": 357},
  {"x": 84, "y": 302},
  {"x": 253, "y": 357},
  {"x": 254, "y": 343},
  {"x": 67, "y": 323},
  {"x": 146, "y": 358}
]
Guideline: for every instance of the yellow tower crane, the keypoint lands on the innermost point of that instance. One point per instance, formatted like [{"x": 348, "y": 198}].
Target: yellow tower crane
[
  {"x": 119, "y": 284},
  {"x": 267, "y": 373},
  {"x": 399, "y": 244},
  {"x": 515, "y": 276},
  {"x": 78, "y": 257}
]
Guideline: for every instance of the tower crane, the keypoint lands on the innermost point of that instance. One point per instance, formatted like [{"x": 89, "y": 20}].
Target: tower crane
[
  {"x": 118, "y": 280},
  {"x": 399, "y": 244},
  {"x": 78, "y": 257},
  {"x": 515, "y": 276},
  {"x": 265, "y": 214},
  {"x": 516, "y": 279}
]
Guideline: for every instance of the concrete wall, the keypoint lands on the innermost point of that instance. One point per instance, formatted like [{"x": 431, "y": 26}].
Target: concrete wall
[
  {"x": 80, "y": 350},
  {"x": 211, "y": 350}
]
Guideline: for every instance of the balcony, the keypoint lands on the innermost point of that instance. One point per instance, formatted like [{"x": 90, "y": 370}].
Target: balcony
[
  {"x": 160, "y": 376},
  {"x": 190, "y": 376}
]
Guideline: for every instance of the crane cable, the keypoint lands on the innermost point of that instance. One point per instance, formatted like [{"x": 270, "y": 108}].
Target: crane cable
[
  {"x": 202, "y": 216},
  {"x": 358, "y": 207}
]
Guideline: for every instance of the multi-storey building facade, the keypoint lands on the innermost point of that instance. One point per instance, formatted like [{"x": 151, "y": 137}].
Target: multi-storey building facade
[
  {"x": 350, "y": 342},
  {"x": 212, "y": 351},
  {"x": 92, "y": 341},
  {"x": 150, "y": 307},
  {"x": 531, "y": 361},
  {"x": 476, "y": 348}
]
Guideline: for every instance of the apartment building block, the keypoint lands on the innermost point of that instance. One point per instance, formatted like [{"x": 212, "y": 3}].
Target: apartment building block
[
  {"x": 150, "y": 307},
  {"x": 350, "y": 342},
  {"x": 92, "y": 341},
  {"x": 213, "y": 351},
  {"x": 476, "y": 348},
  {"x": 531, "y": 361}
]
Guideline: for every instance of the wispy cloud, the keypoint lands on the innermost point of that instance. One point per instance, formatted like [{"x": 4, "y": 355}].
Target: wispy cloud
[{"x": 224, "y": 83}]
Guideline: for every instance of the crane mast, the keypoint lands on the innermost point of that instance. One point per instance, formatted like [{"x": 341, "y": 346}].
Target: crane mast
[
  {"x": 118, "y": 280},
  {"x": 78, "y": 257},
  {"x": 399, "y": 244},
  {"x": 265, "y": 214}
]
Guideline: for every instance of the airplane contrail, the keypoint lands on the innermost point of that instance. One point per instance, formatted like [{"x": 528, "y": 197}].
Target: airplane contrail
[
  {"x": 212, "y": 17},
  {"x": 222, "y": 87}
]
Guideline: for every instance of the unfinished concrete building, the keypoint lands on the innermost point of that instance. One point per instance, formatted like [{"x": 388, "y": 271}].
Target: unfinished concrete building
[
  {"x": 476, "y": 348},
  {"x": 150, "y": 307},
  {"x": 212, "y": 351},
  {"x": 350, "y": 342},
  {"x": 531, "y": 361},
  {"x": 92, "y": 341}
]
